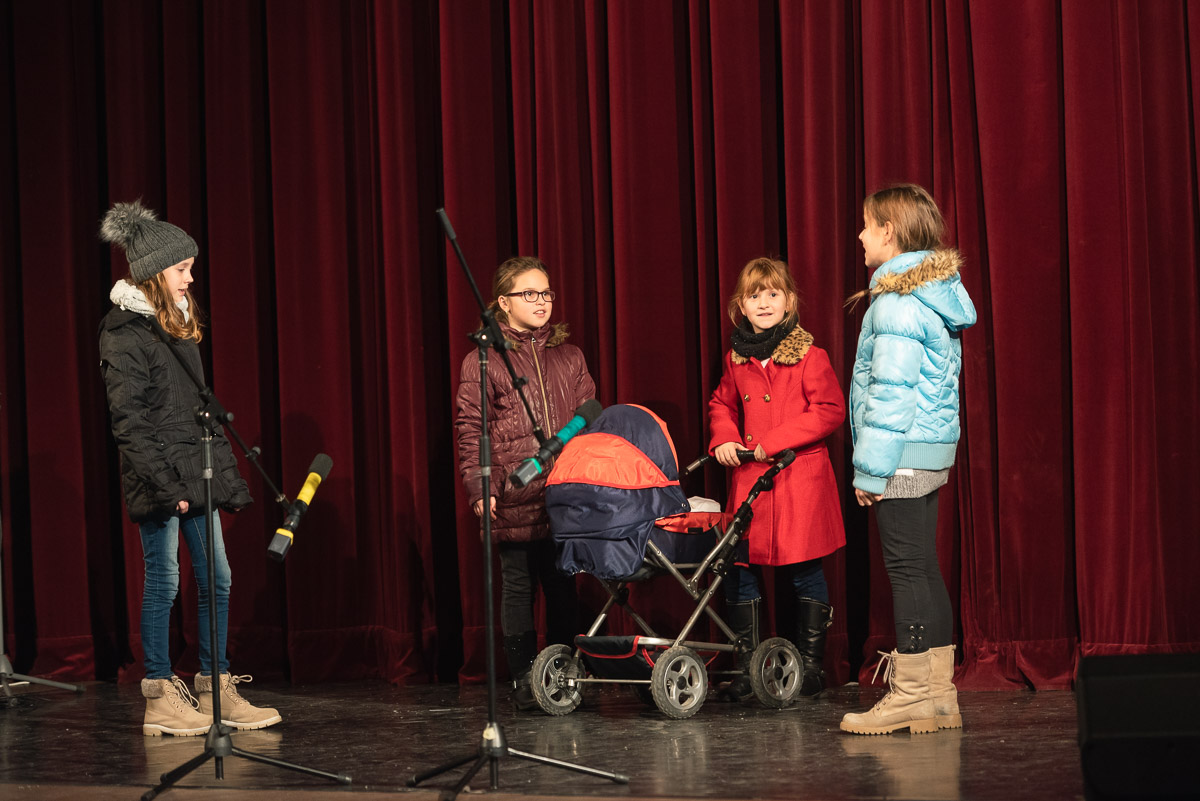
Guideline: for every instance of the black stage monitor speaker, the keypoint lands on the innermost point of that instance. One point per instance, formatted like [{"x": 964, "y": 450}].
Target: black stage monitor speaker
[{"x": 1139, "y": 726}]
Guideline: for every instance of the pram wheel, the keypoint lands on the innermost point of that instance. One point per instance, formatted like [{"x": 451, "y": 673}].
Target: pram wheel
[
  {"x": 679, "y": 682},
  {"x": 776, "y": 672},
  {"x": 548, "y": 680}
]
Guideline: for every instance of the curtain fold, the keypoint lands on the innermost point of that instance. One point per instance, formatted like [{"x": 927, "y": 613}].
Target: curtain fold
[{"x": 645, "y": 151}]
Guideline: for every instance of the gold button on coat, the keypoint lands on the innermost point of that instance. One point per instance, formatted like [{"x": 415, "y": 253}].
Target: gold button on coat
[
  {"x": 746, "y": 398},
  {"x": 767, "y": 398}
]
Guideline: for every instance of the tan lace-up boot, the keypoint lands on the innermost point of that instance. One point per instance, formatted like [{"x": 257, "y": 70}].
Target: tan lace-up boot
[
  {"x": 941, "y": 687},
  {"x": 171, "y": 709},
  {"x": 236, "y": 711},
  {"x": 907, "y": 704}
]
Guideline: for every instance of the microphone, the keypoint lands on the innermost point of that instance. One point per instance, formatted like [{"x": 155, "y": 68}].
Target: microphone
[
  {"x": 441, "y": 215},
  {"x": 284, "y": 535},
  {"x": 532, "y": 467}
]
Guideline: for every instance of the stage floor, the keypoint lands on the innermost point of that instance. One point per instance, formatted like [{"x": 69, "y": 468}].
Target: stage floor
[{"x": 59, "y": 745}]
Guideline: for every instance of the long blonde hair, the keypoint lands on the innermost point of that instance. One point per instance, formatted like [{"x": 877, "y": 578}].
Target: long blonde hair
[
  {"x": 914, "y": 216},
  {"x": 169, "y": 316}
]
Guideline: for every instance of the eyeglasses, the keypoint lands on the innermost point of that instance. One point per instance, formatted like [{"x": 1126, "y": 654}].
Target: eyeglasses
[{"x": 531, "y": 296}]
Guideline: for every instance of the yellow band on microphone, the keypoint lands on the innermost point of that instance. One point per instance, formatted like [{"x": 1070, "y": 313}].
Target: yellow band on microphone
[
  {"x": 310, "y": 488},
  {"x": 283, "y": 532}
]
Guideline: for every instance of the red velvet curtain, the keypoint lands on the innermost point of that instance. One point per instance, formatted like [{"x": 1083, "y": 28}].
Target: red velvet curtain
[{"x": 645, "y": 150}]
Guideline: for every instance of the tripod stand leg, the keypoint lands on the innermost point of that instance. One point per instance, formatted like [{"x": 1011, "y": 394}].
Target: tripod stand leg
[
  {"x": 175, "y": 774},
  {"x": 279, "y": 763},
  {"x": 5, "y": 678},
  {"x": 466, "y": 779},
  {"x": 619, "y": 778},
  {"x": 6, "y": 669},
  {"x": 417, "y": 778}
]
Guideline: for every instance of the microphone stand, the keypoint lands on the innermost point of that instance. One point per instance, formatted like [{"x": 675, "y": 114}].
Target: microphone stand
[
  {"x": 217, "y": 745},
  {"x": 6, "y": 669},
  {"x": 493, "y": 746}
]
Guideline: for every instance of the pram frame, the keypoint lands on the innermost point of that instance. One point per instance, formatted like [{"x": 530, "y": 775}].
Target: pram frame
[{"x": 715, "y": 564}]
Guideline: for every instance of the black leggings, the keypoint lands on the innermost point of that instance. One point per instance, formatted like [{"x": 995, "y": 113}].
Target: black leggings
[
  {"x": 920, "y": 603},
  {"x": 523, "y": 567}
]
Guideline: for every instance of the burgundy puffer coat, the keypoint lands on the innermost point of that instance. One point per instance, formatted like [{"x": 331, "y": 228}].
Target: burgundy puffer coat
[{"x": 557, "y": 382}]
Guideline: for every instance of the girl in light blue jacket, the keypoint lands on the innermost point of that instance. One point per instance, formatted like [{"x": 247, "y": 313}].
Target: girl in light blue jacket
[{"x": 905, "y": 427}]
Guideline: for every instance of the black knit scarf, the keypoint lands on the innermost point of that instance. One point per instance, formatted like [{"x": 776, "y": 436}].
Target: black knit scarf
[{"x": 750, "y": 345}]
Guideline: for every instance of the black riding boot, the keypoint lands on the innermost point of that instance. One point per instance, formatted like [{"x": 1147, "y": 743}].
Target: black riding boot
[
  {"x": 743, "y": 619},
  {"x": 813, "y": 619},
  {"x": 520, "y": 650}
]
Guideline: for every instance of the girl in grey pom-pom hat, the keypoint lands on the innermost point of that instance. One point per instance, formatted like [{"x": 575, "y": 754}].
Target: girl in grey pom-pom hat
[{"x": 152, "y": 402}]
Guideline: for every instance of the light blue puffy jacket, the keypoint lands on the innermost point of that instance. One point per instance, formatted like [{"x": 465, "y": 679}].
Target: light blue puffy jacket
[{"x": 904, "y": 389}]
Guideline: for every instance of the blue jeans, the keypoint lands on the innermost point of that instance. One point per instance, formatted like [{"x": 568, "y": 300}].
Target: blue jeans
[{"x": 160, "y": 546}]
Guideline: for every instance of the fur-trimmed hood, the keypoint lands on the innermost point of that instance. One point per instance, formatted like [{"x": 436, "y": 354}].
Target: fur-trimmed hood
[
  {"x": 791, "y": 350},
  {"x": 932, "y": 277}
]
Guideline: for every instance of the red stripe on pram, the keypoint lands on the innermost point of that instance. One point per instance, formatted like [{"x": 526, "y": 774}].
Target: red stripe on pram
[
  {"x": 636, "y": 639},
  {"x": 689, "y": 522},
  {"x": 606, "y": 460},
  {"x": 645, "y": 652}
]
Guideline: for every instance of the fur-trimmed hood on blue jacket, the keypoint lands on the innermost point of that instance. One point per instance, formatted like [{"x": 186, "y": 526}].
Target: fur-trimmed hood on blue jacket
[{"x": 904, "y": 387}]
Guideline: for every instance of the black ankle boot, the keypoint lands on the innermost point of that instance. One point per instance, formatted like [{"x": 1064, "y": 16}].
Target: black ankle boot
[
  {"x": 743, "y": 619},
  {"x": 522, "y": 694},
  {"x": 520, "y": 651},
  {"x": 813, "y": 619}
]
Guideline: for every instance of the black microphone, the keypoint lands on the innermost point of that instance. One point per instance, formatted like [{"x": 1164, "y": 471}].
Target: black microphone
[
  {"x": 532, "y": 467},
  {"x": 286, "y": 533}
]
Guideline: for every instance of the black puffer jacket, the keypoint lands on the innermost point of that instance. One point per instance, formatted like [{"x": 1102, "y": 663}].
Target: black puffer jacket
[{"x": 153, "y": 402}]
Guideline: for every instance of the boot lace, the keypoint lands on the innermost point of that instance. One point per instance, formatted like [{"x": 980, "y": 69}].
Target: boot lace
[
  {"x": 231, "y": 689},
  {"x": 181, "y": 691},
  {"x": 885, "y": 662}
]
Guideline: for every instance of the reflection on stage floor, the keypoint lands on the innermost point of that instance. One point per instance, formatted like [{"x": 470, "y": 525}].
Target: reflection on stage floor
[{"x": 56, "y": 744}]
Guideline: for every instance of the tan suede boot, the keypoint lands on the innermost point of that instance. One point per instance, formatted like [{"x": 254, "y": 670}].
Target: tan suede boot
[
  {"x": 236, "y": 711},
  {"x": 171, "y": 709},
  {"x": 907, "y": 704},
  {"x": 941, "y": 687}
]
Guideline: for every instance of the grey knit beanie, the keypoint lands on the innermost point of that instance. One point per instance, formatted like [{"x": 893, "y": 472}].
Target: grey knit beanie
[{"x": 151, "y": 245}]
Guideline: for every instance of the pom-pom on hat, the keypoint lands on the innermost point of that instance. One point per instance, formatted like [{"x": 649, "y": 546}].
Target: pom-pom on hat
[{"x": 150, "y": 244}]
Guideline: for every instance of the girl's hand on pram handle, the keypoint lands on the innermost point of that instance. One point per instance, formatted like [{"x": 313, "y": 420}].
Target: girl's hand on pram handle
[
  {"x": 730, "y": 454},
  {"x": 740, "y": 455}
]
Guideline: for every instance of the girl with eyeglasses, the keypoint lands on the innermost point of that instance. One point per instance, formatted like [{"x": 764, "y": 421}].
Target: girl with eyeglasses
[{"x": 557, "y": 383}]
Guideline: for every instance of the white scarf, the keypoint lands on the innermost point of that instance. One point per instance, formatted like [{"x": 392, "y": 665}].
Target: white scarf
[{"x": 130, "y": 298}]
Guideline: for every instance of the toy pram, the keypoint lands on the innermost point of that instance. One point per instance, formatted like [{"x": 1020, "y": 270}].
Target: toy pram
[{"x": 618, "y": 513}]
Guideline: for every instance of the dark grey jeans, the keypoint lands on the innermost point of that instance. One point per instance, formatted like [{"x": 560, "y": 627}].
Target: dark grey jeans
[
  {"x": 524, "y": 566},
  {"x": 920, "y": 603}
]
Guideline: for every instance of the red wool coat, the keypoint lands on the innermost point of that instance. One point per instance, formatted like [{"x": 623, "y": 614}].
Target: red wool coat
[{"x": 794, "y": 402}]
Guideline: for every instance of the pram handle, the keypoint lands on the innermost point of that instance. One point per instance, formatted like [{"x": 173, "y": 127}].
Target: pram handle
[{"x": 782, "y": 459}]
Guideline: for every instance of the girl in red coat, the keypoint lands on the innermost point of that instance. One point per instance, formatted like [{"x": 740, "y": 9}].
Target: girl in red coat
[{"x": 778, "y": 391}]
